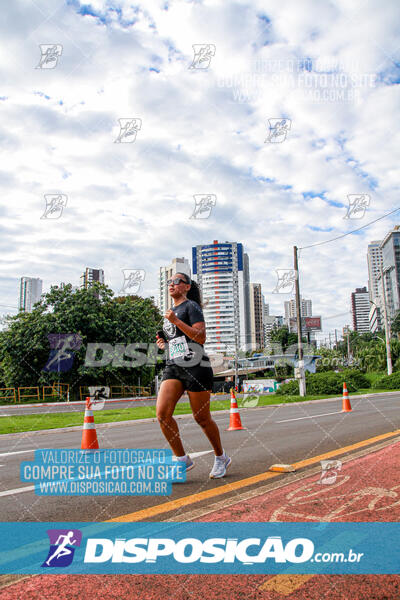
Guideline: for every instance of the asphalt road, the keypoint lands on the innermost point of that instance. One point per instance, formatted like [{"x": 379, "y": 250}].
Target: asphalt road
[
  {"x": 36, "y": 409},
  {"x": 275, "y": 434}
]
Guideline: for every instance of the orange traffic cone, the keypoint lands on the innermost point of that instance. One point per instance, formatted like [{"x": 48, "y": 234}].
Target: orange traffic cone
[
  {"x": 346, "y": 400},
  {"x": 89, "y": 435},
  {"x": 234, "y": 417}
]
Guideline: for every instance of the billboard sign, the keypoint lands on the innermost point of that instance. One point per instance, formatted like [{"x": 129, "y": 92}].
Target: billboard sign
[{"x": 307, "y": 324}]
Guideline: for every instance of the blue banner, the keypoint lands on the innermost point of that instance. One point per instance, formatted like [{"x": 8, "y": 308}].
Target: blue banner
[
  {"x": 111, "y": 472},
  {"x": 204, "y": 548}
]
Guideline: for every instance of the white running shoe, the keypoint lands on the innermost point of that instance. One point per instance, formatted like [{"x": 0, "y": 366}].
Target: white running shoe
[
  {"x": 221, "y": 464},
  {"x": 187, "y": 460}
]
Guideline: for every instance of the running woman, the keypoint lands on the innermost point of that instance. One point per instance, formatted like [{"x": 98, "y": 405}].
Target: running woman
[{"x": 187, "y": 368}]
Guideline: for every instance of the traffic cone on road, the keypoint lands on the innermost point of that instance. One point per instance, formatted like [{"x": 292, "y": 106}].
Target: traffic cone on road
[
  {"x": 89, "y": 435},
  {"x": 346, "y": 400},
  {"x": 234, "y": 417}
]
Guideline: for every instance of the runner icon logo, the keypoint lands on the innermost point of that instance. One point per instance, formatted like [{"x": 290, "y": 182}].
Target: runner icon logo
[
  {"x": 62, "y": 547},
  {"x": 62, "y": 351},
  {"x": 330, "y": 470}
]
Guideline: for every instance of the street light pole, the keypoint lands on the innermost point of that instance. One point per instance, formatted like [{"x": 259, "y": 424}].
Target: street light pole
[
  {"x": 387, "y": 329},
  {"x": 302, "y": 379},
  {"x": 236, "y": 361}
]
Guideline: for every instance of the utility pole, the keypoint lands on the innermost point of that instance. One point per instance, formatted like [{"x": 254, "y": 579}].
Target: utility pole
[
  {"x": 330, "y": 346},
  {"x": 348, "y": 345},
  {"x": 302, "y": 379},
  {"x": 387, "y": 328},
  {"x": 335, "y": 339},
  {"x": 346, "y": 333},
  {"x": 236, "y": 362}
]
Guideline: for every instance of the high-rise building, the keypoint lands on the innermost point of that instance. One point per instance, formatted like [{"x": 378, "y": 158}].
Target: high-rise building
[
  {"x": 374, "y": 259},
  {"x": 266, "y": 309},
  {"x": 222, "y": 272},
  {"x": 390, "y": 247},
  {"x": 30, "y": 291},
  {"x": 375, "y": 316},
  {"x": 256, "y": 317},
  {"x": 305, "y": 311},
  {"x": 271, "y": 322},
  {"x": 290, "y": 308},
  {"x": 90, "y": 276},
  {"x": 178, "y": 265},
  {"x": 74, "y": 288},
  {"x": 360, "y": 307}
]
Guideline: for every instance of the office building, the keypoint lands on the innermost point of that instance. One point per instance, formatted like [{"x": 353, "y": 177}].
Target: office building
[
  {"x": 30, "y": 291},
  {"x": 178, "y": 265},
  {"x": 390, "y": 247},
  {"x": 222, "y": 272},
  {"x": 90, "y": 276},
  {"x": 360, "y": 308}
]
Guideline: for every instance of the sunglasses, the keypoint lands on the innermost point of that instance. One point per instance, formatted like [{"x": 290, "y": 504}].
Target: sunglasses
[{"x": 176, "y": 281}]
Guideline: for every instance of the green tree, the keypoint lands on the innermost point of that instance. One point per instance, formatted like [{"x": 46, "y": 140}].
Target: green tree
[
  {"x": 96, "y": 316},
  {"x": 395, "y": 325},
  {"x": 281, "y": 335}
]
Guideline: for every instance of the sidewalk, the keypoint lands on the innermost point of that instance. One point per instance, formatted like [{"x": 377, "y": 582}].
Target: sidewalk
[{"x": 366, "y": 489}]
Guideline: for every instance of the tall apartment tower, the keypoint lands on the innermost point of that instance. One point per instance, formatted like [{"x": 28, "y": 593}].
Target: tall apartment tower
[
  {"x": 305, "y": 308},
  {"x": 178, "y": 265},
  {"x": 222, "y": 272},
  {"x": 90, "y": 276},
  {"x": 374, "y": 259},
  {"x": 390, "y": 247},
  {"x": 360, "y": 305},
  {"x": 256, "y": 317},
  {"x": 30, "y": 291}
]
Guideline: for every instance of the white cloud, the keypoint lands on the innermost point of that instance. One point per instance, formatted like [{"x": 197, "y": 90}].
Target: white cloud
[{"x": 129, "y": 204}]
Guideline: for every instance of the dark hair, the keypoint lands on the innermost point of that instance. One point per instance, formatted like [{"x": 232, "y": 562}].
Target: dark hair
[{"x": 194, "y": 292}]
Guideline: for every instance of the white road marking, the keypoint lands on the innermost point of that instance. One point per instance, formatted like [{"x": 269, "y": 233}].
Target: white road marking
[
  {"x": 310, "y": 417},
  {"x": 18, "y": 452},
  {"x": 194, "y": 454},
  {"x": 28, "y": 488}
]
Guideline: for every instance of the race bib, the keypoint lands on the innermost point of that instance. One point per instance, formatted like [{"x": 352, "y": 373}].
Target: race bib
[{"x": 178, "y": 347}]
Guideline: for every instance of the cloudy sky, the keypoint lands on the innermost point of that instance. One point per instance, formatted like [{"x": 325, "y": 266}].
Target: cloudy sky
[{"x": 325, "y": 73}]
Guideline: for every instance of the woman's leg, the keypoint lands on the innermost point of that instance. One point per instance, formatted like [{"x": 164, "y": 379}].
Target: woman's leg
[
  {"x": 200, "y": 403},
  {"x": 170, "y": 392}
]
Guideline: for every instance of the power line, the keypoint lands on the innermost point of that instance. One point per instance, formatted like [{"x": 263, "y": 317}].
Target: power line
[{"x": 350, "y": 232}]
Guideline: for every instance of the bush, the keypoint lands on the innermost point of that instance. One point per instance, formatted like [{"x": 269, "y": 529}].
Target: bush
[
  {"x": 388, "y": 382},
  {"x": 288, "y": 389},
  {"x": 326, "y": 383},
  {"x": 356, "y": 379}
]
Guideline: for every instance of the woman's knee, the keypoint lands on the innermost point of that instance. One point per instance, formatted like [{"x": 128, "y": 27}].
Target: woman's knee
[
  {"x": 203, "y": 419},
  {"x": 163, "y": 416}
]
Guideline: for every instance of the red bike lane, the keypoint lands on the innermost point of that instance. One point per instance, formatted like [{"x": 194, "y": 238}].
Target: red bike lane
[{"x": 366, "y": 488}]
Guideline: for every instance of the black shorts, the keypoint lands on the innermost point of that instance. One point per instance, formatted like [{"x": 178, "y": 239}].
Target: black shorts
[{"x": 194, "y": 379}]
